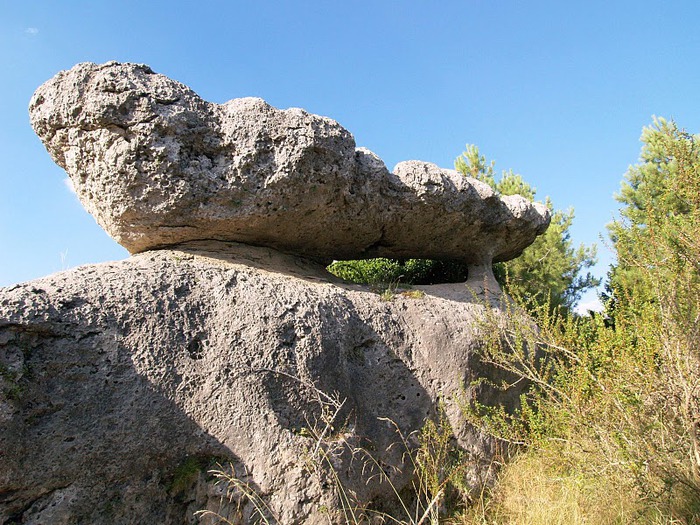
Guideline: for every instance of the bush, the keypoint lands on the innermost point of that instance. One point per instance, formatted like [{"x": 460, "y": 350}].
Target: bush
[
  {"x": 390, "y": 272},
  {"x": 616, "y": 403}
]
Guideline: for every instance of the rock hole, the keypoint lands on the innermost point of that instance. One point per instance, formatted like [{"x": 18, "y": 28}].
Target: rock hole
[{"x": 195, "y": 349}]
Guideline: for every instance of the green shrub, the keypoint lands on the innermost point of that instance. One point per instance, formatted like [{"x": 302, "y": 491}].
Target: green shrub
[
  {"x": 616, "y": 402},
  {"x": 385, "y": 272}
]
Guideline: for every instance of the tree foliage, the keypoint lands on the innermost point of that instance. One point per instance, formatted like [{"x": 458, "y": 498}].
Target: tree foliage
[
  {"x": 382, "y": 272},
  {"x": 658, "y": 199},
  {"x": 618, "y": 404},
  {"x": 551, "y": 270}
]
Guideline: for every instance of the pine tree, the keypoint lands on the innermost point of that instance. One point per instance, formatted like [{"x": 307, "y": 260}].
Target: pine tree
[{"x": 654, "y": 191}]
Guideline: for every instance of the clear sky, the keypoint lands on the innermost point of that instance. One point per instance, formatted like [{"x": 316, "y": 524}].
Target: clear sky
[{"x": 556, "y": 90}]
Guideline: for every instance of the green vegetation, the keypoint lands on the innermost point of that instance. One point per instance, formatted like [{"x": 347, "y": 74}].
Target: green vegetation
[
  {"x": 185, "y": 474},
  {"x": 10, "y": 385},
  {"x": 382, "y": 273},
  {"x": 657, "y": 201},
  {"x": 609, "y": 431}
]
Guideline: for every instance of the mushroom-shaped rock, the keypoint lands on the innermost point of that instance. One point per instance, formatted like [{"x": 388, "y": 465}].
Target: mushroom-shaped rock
[{"x": 158, "y": 166}]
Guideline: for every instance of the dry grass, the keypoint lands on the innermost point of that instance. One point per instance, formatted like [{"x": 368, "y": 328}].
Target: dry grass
[{"x": 539, "y": 489}]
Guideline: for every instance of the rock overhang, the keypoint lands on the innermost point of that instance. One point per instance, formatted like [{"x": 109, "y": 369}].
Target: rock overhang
[{"x": 158, "y": 166}]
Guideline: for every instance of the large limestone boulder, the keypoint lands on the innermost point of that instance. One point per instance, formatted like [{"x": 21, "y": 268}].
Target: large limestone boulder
[
  {"x": 122, "y": 383},
  {"x": 223, "y": 340},
  {"x": 157, "y": 166}
]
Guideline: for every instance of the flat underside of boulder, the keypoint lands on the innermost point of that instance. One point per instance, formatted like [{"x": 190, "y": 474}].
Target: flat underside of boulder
[{"x": 123, "y": 383}]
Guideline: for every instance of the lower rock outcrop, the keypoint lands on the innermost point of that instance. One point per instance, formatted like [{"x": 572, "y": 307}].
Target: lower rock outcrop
[{"x": 123, "y": 382}]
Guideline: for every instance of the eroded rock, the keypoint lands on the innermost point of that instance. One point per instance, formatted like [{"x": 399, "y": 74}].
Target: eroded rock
[
  {"x": 157, "y": 166},
  {"x": 124, "y": 382},
  {"x": 121, "y": 384}
]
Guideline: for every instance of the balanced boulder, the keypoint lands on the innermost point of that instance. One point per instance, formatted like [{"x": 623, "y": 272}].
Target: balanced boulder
[
  {"x": 157, "y": 166},
  {"x": 223, "y": 343}
]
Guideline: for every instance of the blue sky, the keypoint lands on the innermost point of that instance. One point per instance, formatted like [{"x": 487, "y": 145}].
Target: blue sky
[{"x": 558, "y": 91}]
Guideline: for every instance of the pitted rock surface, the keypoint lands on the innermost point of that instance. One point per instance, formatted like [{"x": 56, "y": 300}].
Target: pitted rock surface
[
  {"x": 121, "y": 384},
  {"x": 158, "y": 166},
  {"x": 124, "y": 382}
]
